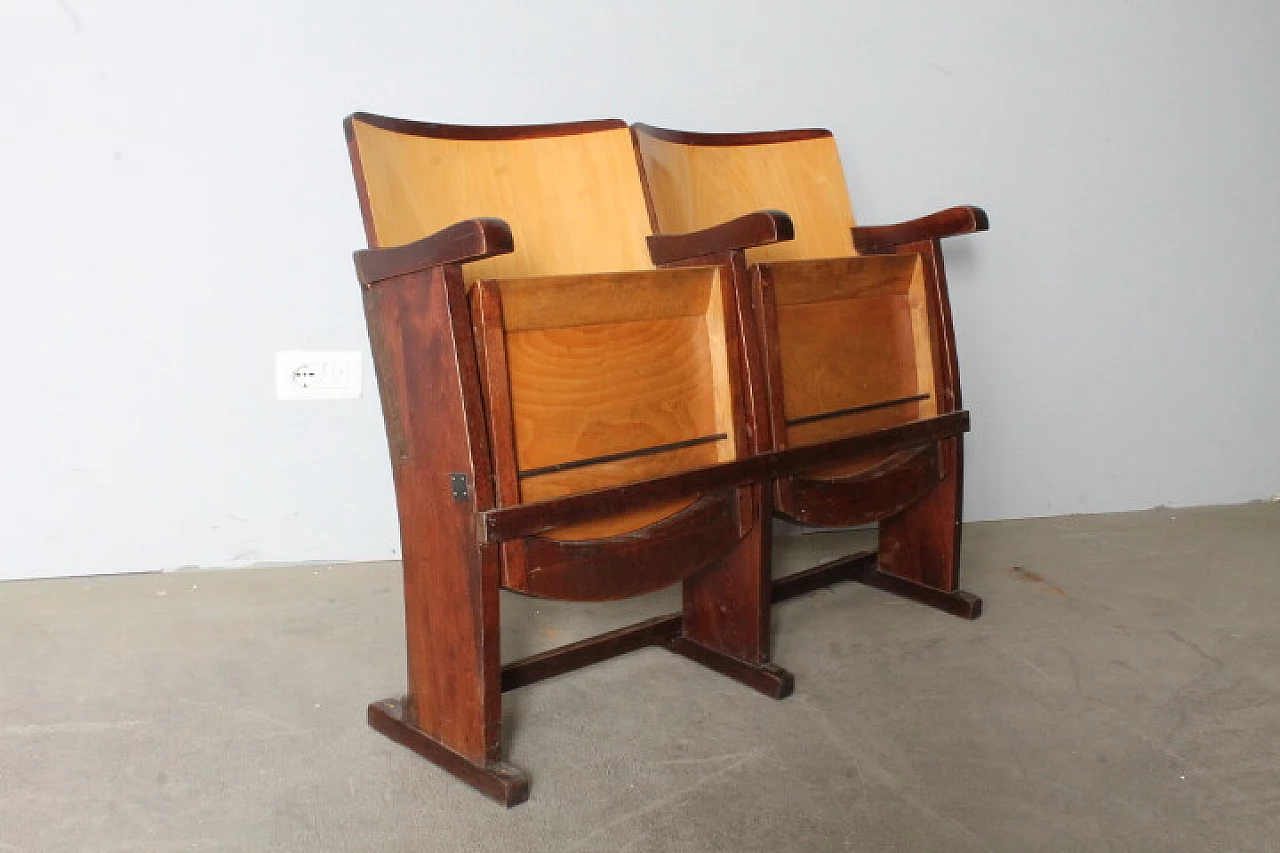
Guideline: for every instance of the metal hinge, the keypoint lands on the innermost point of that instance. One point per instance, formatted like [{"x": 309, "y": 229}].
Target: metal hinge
[{"x": 459, "y": 487}]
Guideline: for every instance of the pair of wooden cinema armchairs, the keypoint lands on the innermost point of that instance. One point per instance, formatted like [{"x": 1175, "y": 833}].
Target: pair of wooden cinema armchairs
[{"x": 607, "y": 358}]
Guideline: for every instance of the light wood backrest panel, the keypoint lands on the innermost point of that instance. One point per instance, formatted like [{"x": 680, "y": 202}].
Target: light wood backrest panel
[
  {"x": 631, "y": 365},
  {"x": 853, "y": 334},
  {"x": 574, "y": 201},
  {"x": 696, "y": 186}
]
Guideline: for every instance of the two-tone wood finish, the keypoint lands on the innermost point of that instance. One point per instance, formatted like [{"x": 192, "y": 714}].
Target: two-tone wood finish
[
  {"x": 528, "y": 354},
  {"x": 855, "y": 329},
  {"x": 429, "y": 381}
]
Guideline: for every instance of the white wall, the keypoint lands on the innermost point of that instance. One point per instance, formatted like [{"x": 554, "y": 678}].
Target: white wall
[{"x": 176, "y": 205}]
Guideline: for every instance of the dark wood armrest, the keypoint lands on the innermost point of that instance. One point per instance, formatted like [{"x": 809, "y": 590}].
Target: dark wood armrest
[
  {"x": 469, "y": 240},
  {"x": 754, "y": 229},
  {"x": 944, "y": 223}
]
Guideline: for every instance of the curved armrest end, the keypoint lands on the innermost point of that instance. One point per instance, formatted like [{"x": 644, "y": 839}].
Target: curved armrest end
[
  {"x": 965, "y": 219},
  {"x": 469, "y": 240},
  {"x": 753, "y": 229}
]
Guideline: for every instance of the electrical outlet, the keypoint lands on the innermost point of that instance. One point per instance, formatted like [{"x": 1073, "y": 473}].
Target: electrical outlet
[{"x": 317, "y": 375}]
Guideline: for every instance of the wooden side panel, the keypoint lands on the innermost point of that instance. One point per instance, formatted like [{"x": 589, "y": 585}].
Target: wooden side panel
[
  {"x": 698, "y": 186},
  {"x": 728, "y": 607},
  {"x": 922, "y": 543},
  {"x": 429, "y": 383},
  {"x": 574, "y": 202}
]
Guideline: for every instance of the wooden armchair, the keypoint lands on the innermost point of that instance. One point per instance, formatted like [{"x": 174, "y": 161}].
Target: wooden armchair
[
  {"x": 854, "y": 324},
  {"x": 564, "y": 420}
]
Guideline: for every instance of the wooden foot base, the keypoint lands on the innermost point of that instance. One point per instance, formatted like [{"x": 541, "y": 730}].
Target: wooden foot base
[
  {"x": 496, "y": 780},
  {"x": 958, "y": 602},
  {"x": 863, "y": 569},
  {"x": 773, "y": 681}
]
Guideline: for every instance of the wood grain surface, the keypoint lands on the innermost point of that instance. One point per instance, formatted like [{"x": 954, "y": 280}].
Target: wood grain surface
[
  {"x": 574, "y": 202},
  {"x": 599, "y": 366},
  {"x": 694, "y": 186},
  {"x": 852, "y": 335}
]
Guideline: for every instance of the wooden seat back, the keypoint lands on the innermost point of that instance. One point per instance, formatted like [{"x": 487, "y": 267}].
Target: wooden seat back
[
  {"x": 571, "y": 192},
  {"x": 850, "y": 342},
  {"x": 697, "y": 180}
]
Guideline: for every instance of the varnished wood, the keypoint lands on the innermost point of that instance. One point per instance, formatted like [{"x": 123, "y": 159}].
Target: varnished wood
[
  {"x": 851, "y": 334},
  {"x": 651, "y": 632},
  {"x": 472, "y": 240},
  {"x": 630, "y": 564},
  {"x": 727, "y": 608},
  {"x": 505, "y": 523},
  {"x": 409, "y": 127},
  {"x": 773, "y": 681},
  {"x": 622, "y": 456},
  {"x": 849, "y": 344},
  {"x": 746, "y": 232},
  {"x": 697, "y": 181},
  {"x": 659, "y": 630},
  {"x": 584, "y": 427},
  {"x": 587, "y": 376},
  {"x": 872, "y": 493},
  {"x": 497, "y": 780},
  {"x": 418, "y": 178},
  {"x": 560, "y": 302},
  {"x": 733, "y": 139},
  {"x": 435, "y": 426},
  {"x": 956, "y": 602},
  {"x": 850, "y": 567},
  {"x": 945, "y": 223},
  {"x": 572, "y": 366}
]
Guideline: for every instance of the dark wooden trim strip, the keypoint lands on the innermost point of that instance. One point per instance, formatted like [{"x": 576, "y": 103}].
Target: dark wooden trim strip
[
  {"x": 689, "y": 137},
  {"x": 871, "y": 239},
  {"x": 496, "y": 780},
  {"x": 362, "y": 190},
  {"x": 847, "y": 568},
  {"x": 618, "y": 457},
  {"x": 651, "y": 632},
  {"x": 759, "y": 228},
  {"x": 769, "y": 679},
  {"x": 481, "y": 132},
  {"x": 469, "y": 240},
  {"x": 856, "y": 410},
  {"x": 504, "y": 523}
]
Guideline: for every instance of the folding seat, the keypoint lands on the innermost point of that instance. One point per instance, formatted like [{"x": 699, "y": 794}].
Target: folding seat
[
  {"x": 563, "y": 418},
  {"x": 855, "y": 332}
]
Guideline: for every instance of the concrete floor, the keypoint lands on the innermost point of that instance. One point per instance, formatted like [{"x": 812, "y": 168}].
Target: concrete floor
[{"x": 1122, "y": 692}]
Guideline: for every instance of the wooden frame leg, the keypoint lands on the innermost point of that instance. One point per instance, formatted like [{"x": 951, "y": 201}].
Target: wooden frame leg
[
  {"x": 453, "y": 713},
  {"x": 920, "y": 546},
  {"x": 726, "y": 610}
]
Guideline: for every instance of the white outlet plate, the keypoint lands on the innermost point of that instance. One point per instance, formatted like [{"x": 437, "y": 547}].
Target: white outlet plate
[{"x": 309, "y": 375}]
